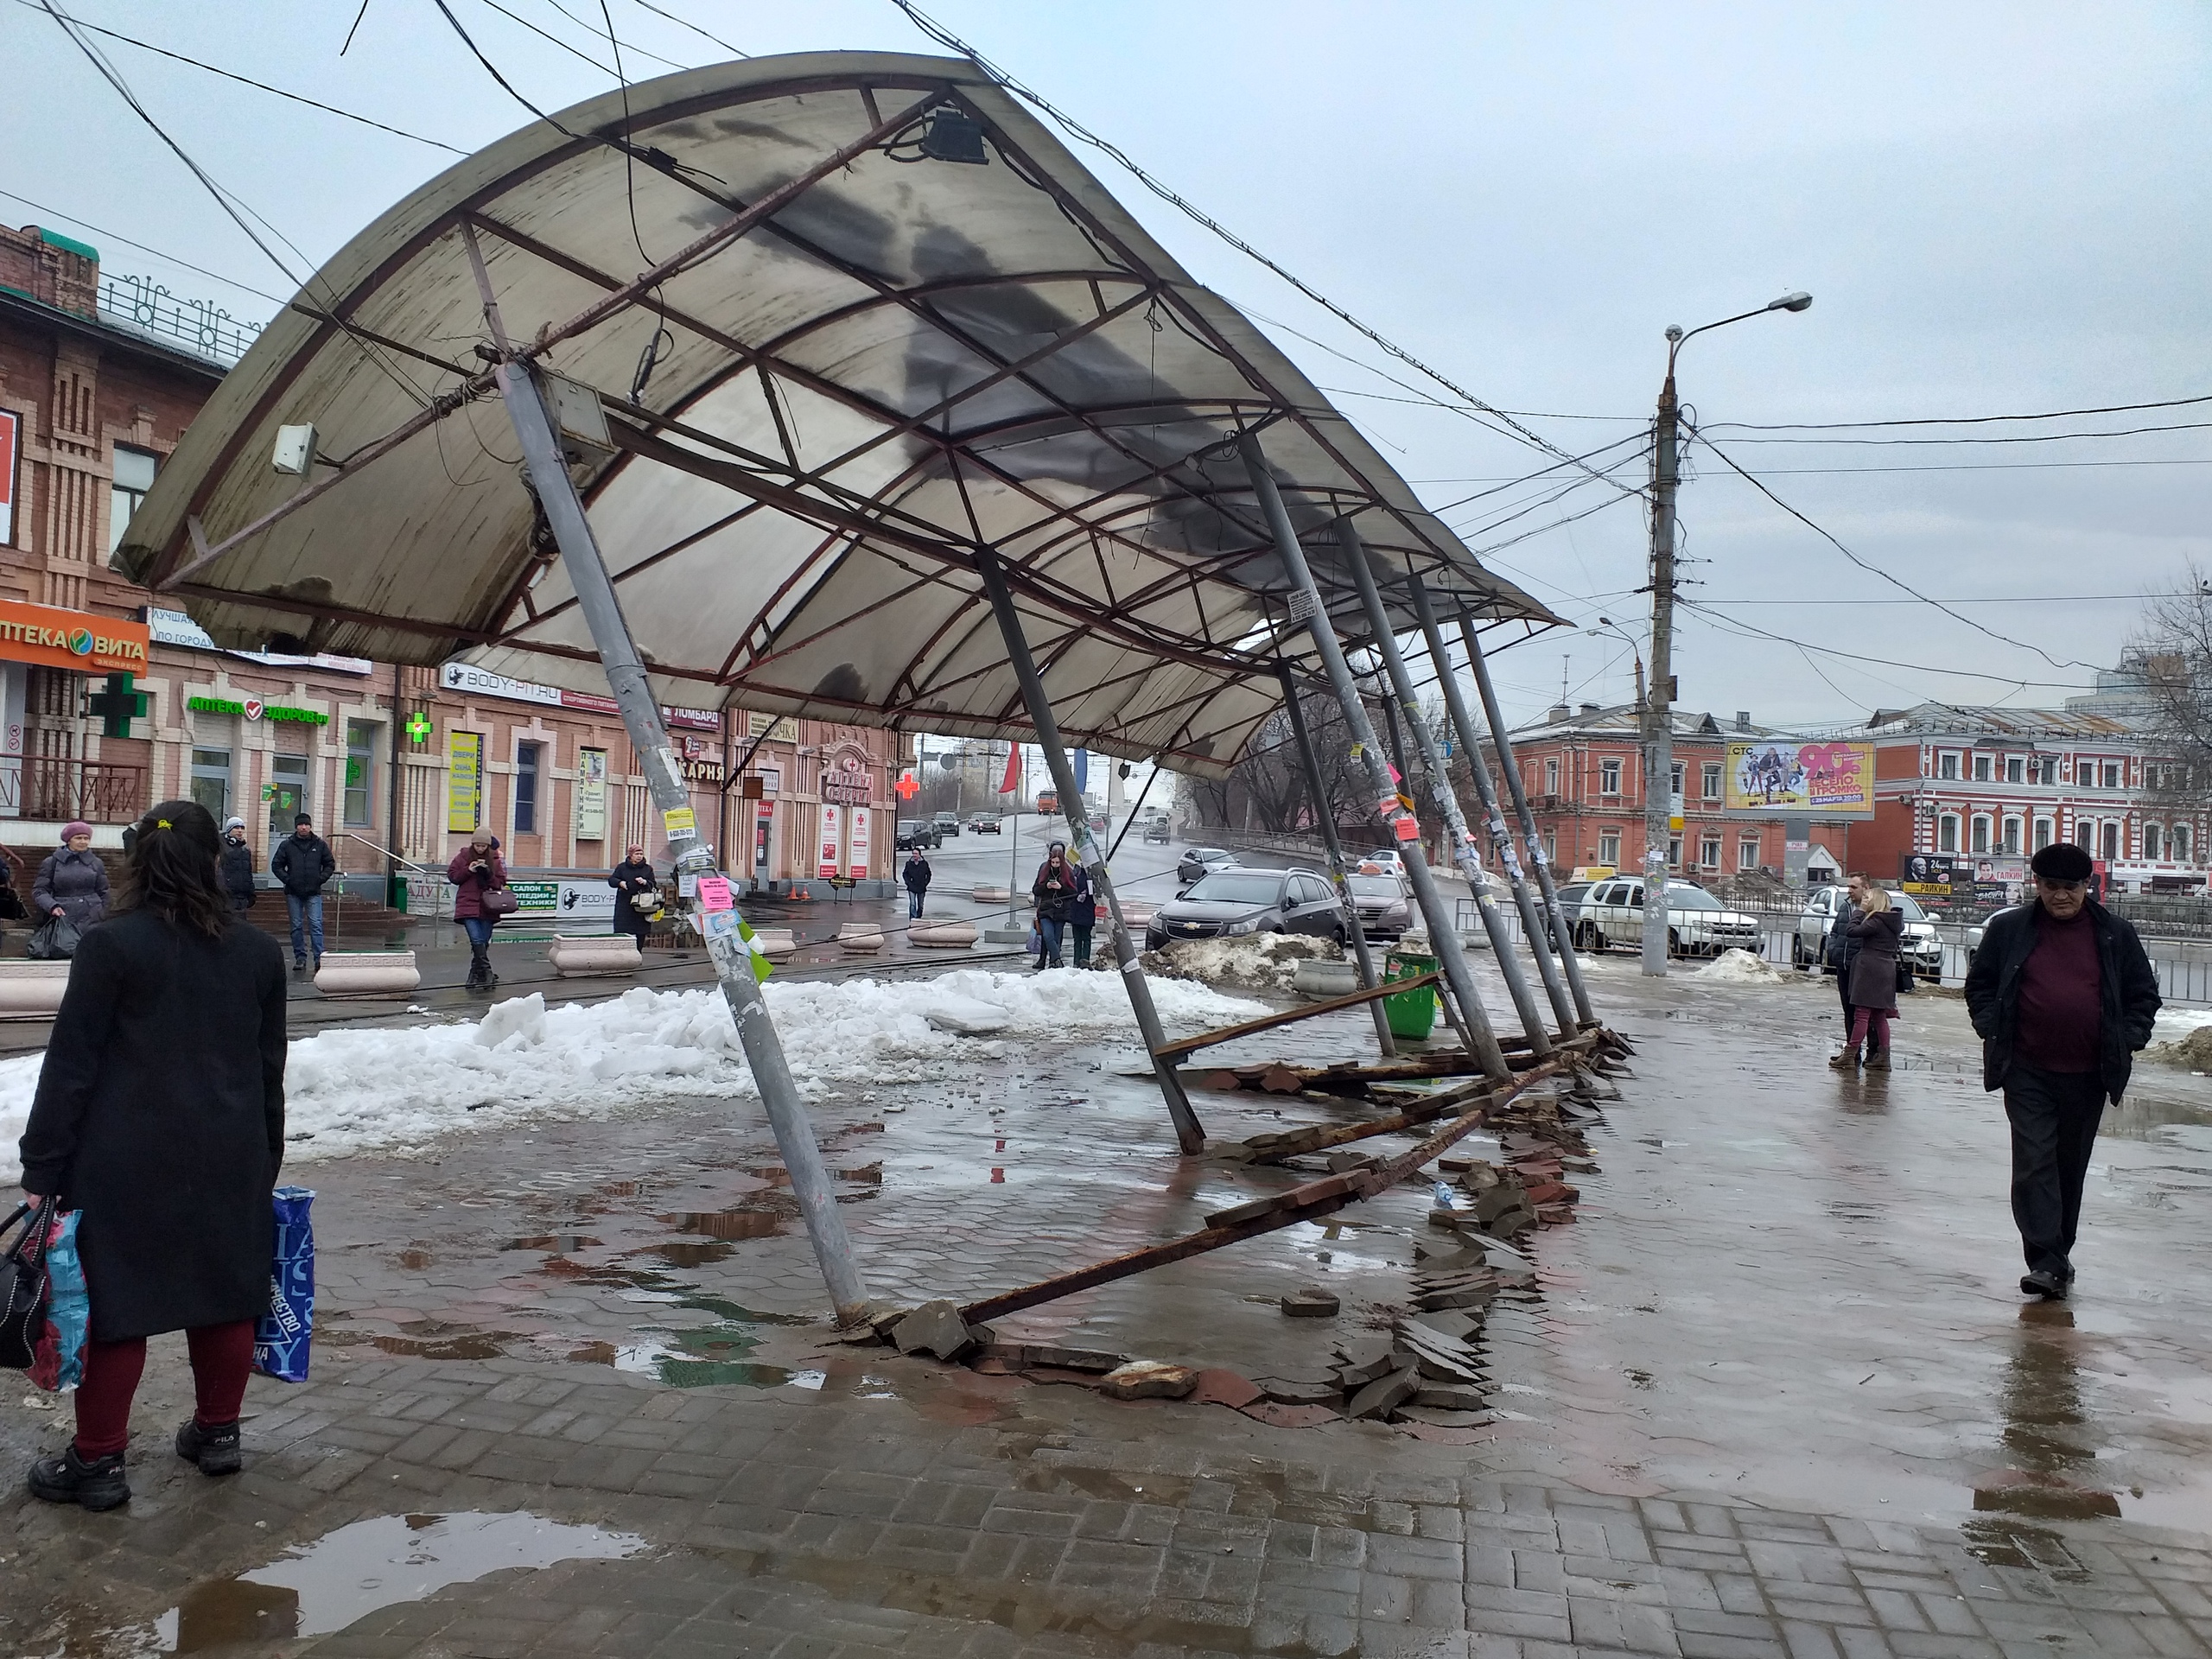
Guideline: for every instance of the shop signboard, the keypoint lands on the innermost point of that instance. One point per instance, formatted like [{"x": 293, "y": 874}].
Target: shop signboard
[
  {"x": 857, "y": 851},
  {"x": 831, "y": 841},
  {"x": 11, "y": 427},
  {"x": 464, "y": 781},
  {"x": 591, "y": 794},
  {"x": 49, "y": 637},
  {"x": 561, "y": 899},
  {"x": 1820, "y": 780}
]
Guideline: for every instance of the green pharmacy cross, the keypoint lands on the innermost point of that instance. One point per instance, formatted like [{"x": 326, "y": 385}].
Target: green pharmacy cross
[{"x": 418, "y": 727}]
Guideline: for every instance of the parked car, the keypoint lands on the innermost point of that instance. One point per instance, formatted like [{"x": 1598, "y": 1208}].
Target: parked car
[
  {"x": 984, "y": 824},
  {"x": 1570, "y": 903},
  {"x": 1384, "y": 861},
  {"x": 1196, "y": 861},
  {"x": 1155, "y": 829},
  {"x": 1231, "y": 902},
  {"x": 915, "y": 832},
  {"x": 1698, "y": 924},
  {"x": 1919, "y": 947},
  {"x": 947, "y": 825},
  {"x": 1382, "y": 903}
]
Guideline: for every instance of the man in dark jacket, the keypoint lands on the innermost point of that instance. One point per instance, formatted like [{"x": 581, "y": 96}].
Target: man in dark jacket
[
  {"x": 2062, "y": 996},
  {"x": 303, "y": 864},
  {"x": 916, "y": 878},
  {"x": 1841, "y": 952},
  {"x": 238, "y": 865}
]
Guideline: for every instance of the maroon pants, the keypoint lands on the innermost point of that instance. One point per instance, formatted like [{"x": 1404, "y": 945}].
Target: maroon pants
[
  {"x": 1870, "y": 1022},
  {"x": 222, "y": 1355}
]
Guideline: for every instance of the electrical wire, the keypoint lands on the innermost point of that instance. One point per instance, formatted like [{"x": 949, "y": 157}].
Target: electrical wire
[
  {"x": 629, "y": 162},
  {"x": 258, "y": 85},
  {"x": 356, "y": 29},
  {"x": 116, "y": 236},
  {"x": 1957, "y": 420},
  {"x": 1752, "y": 628},
  {"x": 548, "y": 34},
  {"x": 693, "y": 27},
  {"x": 2020, "y": 437},
  {"x": 636, "y": 51}
]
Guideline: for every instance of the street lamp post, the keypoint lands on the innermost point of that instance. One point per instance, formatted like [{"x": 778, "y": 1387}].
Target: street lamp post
[
  {"x": 1634, "y": 649},
  {"x": 1658, "y": 704}
]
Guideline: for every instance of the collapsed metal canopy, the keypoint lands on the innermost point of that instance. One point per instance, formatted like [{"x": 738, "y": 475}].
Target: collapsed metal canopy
[{"x": 847, "y": 363}]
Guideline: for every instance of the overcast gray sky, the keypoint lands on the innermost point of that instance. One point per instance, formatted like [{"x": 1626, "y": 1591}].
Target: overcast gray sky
[{"x": 2000, "y": 209}]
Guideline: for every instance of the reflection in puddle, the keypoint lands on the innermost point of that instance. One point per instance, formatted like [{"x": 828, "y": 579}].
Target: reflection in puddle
[
  {"x": 2046, "y": 1431},
  {"x": 325, "y": 1586},
  {"x": 730, "y": 1224},
  {"x": 553, "y": 1243},
  {"x": 482, "y": 1344}
]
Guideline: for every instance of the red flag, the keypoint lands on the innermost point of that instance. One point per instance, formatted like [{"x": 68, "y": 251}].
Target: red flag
[{"x": 1012, "y": 780}]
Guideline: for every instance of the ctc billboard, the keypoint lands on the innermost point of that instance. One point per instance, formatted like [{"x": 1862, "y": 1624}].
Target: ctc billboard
[{"x": 1820, "y": 780}]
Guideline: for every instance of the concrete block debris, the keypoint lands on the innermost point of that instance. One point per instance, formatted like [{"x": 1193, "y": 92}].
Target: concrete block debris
[
  {"x": 934, "y": 1328},
  {"x": 1288, "y": 1392},
  {"x": 1309, "y": 1302},
  {"x": 1218, "y": 1387},
  {"x": 1385, "y": 1395},
  {"x": 1364, "y": 1359},
  {"x": 1148, "y": 1379}
]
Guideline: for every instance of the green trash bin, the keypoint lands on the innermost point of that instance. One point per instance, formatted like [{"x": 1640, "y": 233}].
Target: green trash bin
[{"x": 1411, "y": 1014}]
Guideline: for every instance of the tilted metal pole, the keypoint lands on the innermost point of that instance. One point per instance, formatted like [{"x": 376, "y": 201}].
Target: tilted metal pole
[
  {"x": 1501, "y": 838},
  {"x": 641, "y": 718},
  {"x": 1443, "y": 927},
  {"x": 1324, "y": 814},
  {"x": 1562, "y": 929},
  {"x": 1189, "y": 1135},
  {"x": 1439, "y": 789}
]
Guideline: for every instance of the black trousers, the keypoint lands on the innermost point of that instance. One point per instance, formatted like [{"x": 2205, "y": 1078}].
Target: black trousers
[{"x": 2054, "y": 1117}]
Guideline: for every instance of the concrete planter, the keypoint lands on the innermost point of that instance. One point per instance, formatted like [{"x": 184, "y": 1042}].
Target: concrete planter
[
  {"x": 942, "y": 936},
  {"x": 575, "y": 955},
  {"x": 776, "y": 943},
  {"x": 860, "y": 937},
  {"x": 367, "y": 973},
  {"x": 984, "y": 893},
  {"x": 1323, "y": 980},
  {"x": 32, "y": 990}
]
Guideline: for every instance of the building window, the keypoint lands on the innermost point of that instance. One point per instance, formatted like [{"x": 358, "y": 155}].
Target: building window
[
  {"x": 1675, "y": 774},
  {"x": 1712, "y": 781},
  {"x": 1947, "y": 833},
  {"x": 2015, "y": 769},
  {"x": 1981, "y": 768},
  {"x": 1551, "y": 777},
  {"x": 360, "y": 771},
  {"x": 2177, "y": 847},
  {"x": 2085, "y": 771},
  {"x": 2151, "y": 840},
  {"x": 2042, "y": 834},
  {"x": 2011, "y": 846},
  {"x": 133, "y": 476},
  {"x": 1709, "y": 852},
  {"x": 1747, "y": 853},
  {"x": 1609, "y": 849},
  {"x": 211, "y": 781},
  {"x": 2110, "y": 850},
  {"x": 1609, "y": 781},
  {"x": 2044, "y": 771},
  {"x": 1946, "y": 765},
  {"x": 527, "y": 756},
  {"x": 2111, "y": 775},
  {"x": 2085, "y": 835},
  {"x": 1981, "y": 841},
  {"x": 1673, "y": 852}
]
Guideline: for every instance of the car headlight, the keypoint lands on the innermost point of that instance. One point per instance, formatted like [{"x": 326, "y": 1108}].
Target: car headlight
[
  {"x": 1397, "y": 912},
  {"x": 1240, "y": 927}
]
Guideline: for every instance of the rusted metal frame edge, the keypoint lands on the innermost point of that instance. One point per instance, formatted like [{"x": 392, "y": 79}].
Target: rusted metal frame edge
[
  {"x": 1306, "y": 1202},
  {"x": 333, "y": 613},
  {"x": 1322, "y": 1137},
  {"x": 1287, "y": 1016}
]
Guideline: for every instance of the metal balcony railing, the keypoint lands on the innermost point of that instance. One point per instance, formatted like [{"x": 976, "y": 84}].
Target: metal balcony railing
[
  {"x": 144, "y": 306},
  {"x": 98, "y": 791}
]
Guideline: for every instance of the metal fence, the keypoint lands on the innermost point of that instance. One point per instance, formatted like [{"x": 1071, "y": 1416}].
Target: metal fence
[{"x": 144, "y": 306}]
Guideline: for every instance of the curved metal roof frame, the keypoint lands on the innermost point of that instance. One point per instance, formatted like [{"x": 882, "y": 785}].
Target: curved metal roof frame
[{"x": 844, "y": 366}]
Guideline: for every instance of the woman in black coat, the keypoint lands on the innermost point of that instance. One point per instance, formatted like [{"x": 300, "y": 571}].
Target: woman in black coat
[
  {"x": 1877, "y": 928},
  {"x": 160, "y": 1118},
  {"x": 633, "y": 876}
]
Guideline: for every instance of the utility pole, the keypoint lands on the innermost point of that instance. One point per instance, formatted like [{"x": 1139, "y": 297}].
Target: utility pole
[{"x": 1659, "y": 695}]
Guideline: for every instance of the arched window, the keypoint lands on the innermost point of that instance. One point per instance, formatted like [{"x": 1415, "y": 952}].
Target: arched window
[
  {"x": 2151, "y": 840},
  {"x": 1947, "y": 833},
  {"x": 1980, "y": 841}
]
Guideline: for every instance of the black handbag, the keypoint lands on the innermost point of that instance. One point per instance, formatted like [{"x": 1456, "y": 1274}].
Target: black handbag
[
  {"x": 23, "y": 1285},
  {"x": 56, "y": 939}
]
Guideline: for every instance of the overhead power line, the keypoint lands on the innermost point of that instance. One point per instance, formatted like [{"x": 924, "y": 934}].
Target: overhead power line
[
  {"x": 687, "y": 24},
  {"x": 2016, "y": 437},
  {"x": 1740, "y": 626},
  {"x": 1958, "y": 420},
  {"x": 116, "y": 236}
]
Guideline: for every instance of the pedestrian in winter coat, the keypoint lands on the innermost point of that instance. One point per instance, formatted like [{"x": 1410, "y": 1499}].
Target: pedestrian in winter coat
[
  {"x": 1877, "y": 930},
  {"x": 2062, "y": 994},
  {"x": 916, "y": 875},
  {"x": 475, "y": 870},
  {"x": 238, "y": 865},
  {"x": 1083, "y": 916},
  {"x": 71, "y": 883},
  {"x": 160, "y": 1119},
  {"x": 1840, "y": 950},
  {"x": 633, "y": 876},
  {"x": 303, "y": 864},
  {"x": 1053, "y": 893}
]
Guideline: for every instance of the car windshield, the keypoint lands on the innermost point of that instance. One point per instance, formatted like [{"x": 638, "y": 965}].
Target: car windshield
[
  {"x": 1228, "y": 888},
  {"x": 1686, "y": 897},
  {"x": 1375, "y": 887}
]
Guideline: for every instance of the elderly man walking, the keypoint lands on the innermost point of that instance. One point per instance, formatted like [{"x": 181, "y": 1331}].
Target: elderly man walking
[{"x": 2062, "y": 996}]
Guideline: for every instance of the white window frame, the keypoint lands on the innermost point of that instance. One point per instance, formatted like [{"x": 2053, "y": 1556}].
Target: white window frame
[
  {"x": 1609, "y": 848},
  {"x": 1747, "y": 852},
  {"x": 1947, "y": 833},
  {"x": 1608, "y": 777},
  {"x": 1977, "y": 835}
]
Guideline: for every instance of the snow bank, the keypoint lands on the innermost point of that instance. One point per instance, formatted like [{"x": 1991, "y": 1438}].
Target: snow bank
[
  {"x": 1259, "y": 962},
  {"x": 357, "y": 1090},
  {"x": 1734, "y": 967}
]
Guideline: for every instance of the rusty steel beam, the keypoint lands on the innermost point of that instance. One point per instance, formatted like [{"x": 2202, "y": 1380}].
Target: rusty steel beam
[{"x": 1268, "y": 1021}]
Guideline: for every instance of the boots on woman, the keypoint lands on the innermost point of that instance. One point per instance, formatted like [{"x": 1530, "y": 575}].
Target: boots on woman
[
  {"x": 1878, "y": 1053},
  {"x": 479, "y": 969},
  {"x": 1846, "y": 1061}
]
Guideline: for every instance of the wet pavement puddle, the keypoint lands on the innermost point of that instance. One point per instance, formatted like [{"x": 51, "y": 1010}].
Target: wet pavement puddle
[{"x": 315, "y": 1588}]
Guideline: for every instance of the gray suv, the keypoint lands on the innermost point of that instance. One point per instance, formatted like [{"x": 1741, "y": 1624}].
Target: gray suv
[{"x": 1229, "y": 903}]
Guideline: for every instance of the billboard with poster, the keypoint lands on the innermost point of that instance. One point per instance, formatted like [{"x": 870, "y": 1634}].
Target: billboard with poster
[
  {"x": 831, "y": 862},
  {"x": 1820, "y": 780},
  {"x": 1928, "y": 877}
]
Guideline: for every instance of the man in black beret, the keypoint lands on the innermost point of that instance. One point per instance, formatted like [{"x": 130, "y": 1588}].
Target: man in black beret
[{"x": 2062, "y": 996}]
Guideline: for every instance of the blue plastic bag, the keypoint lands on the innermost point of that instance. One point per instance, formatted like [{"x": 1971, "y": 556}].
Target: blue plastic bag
[
  {"x": 282, "y": 1335},
  {"x": 58, "y": 1362}
]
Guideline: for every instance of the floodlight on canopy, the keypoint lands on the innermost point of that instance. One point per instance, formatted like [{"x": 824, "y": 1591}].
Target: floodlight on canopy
[{"x": 833, "y": 357}]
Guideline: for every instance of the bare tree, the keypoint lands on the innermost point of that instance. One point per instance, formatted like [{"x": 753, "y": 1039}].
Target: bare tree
[
  {"x": 2170, "y": 659},
  {"x": 1268, "y": 787}
]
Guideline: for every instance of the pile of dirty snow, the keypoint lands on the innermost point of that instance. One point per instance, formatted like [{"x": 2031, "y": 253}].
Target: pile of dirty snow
[
  {"x": 1257, "y": 962},
  {"x": 1735, "y": 967},
  {"x": 2182, "y": 1038},
  {"x": 355, "y": 1090}
]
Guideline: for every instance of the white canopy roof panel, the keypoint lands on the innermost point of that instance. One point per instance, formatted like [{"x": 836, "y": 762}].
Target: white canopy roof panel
[{"x": 873, "y": 360}]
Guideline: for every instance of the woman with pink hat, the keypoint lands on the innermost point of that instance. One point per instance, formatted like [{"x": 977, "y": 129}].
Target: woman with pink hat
[{"x": 73, "y": 882}]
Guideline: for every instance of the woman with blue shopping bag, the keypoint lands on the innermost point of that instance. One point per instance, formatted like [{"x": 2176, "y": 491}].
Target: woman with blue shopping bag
[{"x": 160, "y": 1120}]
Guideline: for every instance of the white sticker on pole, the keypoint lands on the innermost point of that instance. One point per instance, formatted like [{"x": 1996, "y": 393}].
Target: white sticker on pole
[{"x": 1301, "y": 605}]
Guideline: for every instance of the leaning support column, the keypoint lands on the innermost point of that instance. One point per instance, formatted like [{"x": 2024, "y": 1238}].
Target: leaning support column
[
  {"x": 1324, "y": 814},
  {"x": 641, "y": 718},
  {"x": 1189, "y": 1135},
  {"x": 1501, "y": 838},
  {"x": 1563, "y": 930},
  {"x": 1439, "y": 787},
  {"x": 1443, "y": 929}
]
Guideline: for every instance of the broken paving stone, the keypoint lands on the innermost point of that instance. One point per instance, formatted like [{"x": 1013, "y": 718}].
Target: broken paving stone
[
  {"x": 1544, "y": 1192},
  {"x": 1437, "y": 1368},
  {"x": 1216, "y": 1386},
  {"x": 1284, "y": 1391},
  {"x": 1450, "y": 1397},
  {"x": 1512, "y": 1223},
  {"x": 1054, "y": 1357},
  {"x": 1386, "y": 1394},
  {"x": 883, "y": 1319},
  {"x": 934, "y": 1328},
  {"x": 1458, "y": 1326},
  {"x": 1442, "y": 1417},
  {"x": 1291, "y": 1416},
  {"x": 1148, "y": 1379},
  {"x": 1364, "y": 1360},
  {"x": 1340, "y": 1162},
  {"x": 1438, "y": 1301},
  {"x": 1499, "y": 1200},
  {"x": 1309, "y": 1302}
]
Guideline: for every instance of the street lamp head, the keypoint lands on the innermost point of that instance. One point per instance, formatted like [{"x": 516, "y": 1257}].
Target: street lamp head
[
  {"x": 1673, "y": 334},
  {"x": 1796, "y": 301}
]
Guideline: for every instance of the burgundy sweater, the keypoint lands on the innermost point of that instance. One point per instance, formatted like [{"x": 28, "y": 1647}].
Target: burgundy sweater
[{"x": 2061, "y": 1010}]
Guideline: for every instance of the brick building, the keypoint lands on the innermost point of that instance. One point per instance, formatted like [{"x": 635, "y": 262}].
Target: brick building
[
  {"x": 1583, "y": 769},
  {"x": 98, "y": 378}
]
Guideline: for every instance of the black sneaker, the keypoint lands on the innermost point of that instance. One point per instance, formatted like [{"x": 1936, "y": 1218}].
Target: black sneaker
[
  {"x": 2047, "y": 1282},
  {"x": 214, "y": 1449},
  {"x": 299, "y": 964},
  {"x": 69, "y": 1479}
]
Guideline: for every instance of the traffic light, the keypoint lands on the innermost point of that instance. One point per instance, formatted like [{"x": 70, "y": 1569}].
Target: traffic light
[{"x": 118, "y": 706}]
